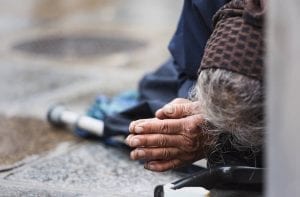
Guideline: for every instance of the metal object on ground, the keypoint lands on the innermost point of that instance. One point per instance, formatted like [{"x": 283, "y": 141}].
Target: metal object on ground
[
  {"x": 168, "y": 191},
  {"x": 60, "y": 116},
  {"x": 240, "y": 179}
]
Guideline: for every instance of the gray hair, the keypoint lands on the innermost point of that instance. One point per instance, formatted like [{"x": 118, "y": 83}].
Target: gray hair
[{"x": 232, "y": 103}]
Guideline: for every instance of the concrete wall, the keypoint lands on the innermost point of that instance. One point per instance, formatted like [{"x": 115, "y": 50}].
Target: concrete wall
[{"x": 283, "y": 77}]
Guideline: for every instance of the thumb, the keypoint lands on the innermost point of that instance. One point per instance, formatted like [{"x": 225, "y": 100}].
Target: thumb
[{"x": 179, "y": 110}]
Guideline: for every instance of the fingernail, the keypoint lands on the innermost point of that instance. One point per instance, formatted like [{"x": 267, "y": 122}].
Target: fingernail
[
  {"x": 127, "y": 140},
  {"x": 132, "y": 155},
  {"x": 169, "y": 109},
  {"x": 131, "y": 126},
  {"x": 135, "y": 142},
  {"x": 158, "y": 111},
  {"x": 141, "y": 154},
  {"x": 149, "y": 166},
  {"x": 139, "y": 129}
]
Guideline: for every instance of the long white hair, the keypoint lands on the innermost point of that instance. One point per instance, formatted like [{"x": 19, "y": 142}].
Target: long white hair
[{"x": 232, "y": 103}]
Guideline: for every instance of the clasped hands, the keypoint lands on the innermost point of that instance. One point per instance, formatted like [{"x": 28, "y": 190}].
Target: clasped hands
[{"x": 173, "y": 139}]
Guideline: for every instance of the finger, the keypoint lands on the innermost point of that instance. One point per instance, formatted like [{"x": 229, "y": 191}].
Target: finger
[
  {"x": 132, "y": 126},
  {"x": 160, "y": 112},
  {"x": 128, "y": 138},
  {"x": 161, "y": 166},
  {"x": 179, "y": 110},
  {"x": 168, "y": 126},
  {"x": 150, "y": 154},
  {"x": 156, "y": 140}
]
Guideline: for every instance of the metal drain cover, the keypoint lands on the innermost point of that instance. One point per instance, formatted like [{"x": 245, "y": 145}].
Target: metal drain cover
[{"x": 84, "y": 46}]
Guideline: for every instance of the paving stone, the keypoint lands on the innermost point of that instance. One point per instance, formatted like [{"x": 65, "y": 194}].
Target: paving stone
[
  {"x": 31, "y": 190},
  {"x": 93, "y": 167}
]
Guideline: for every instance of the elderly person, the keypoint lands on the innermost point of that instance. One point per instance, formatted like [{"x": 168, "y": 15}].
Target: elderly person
[
  {"x": 175, "y": 77},
  {"x": 224, "y": 122}
]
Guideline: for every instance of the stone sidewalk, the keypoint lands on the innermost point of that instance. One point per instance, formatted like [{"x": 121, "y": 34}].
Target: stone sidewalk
[
  {"x": 82, "y": 169},
  {"x": 68, "y": 52}
]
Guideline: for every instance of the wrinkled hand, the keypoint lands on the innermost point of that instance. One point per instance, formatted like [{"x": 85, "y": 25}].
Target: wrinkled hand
[{"x": 168, "y": 143}]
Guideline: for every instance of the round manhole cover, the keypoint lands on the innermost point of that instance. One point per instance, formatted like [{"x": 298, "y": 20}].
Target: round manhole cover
[{"x": 78, "y": 46}]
